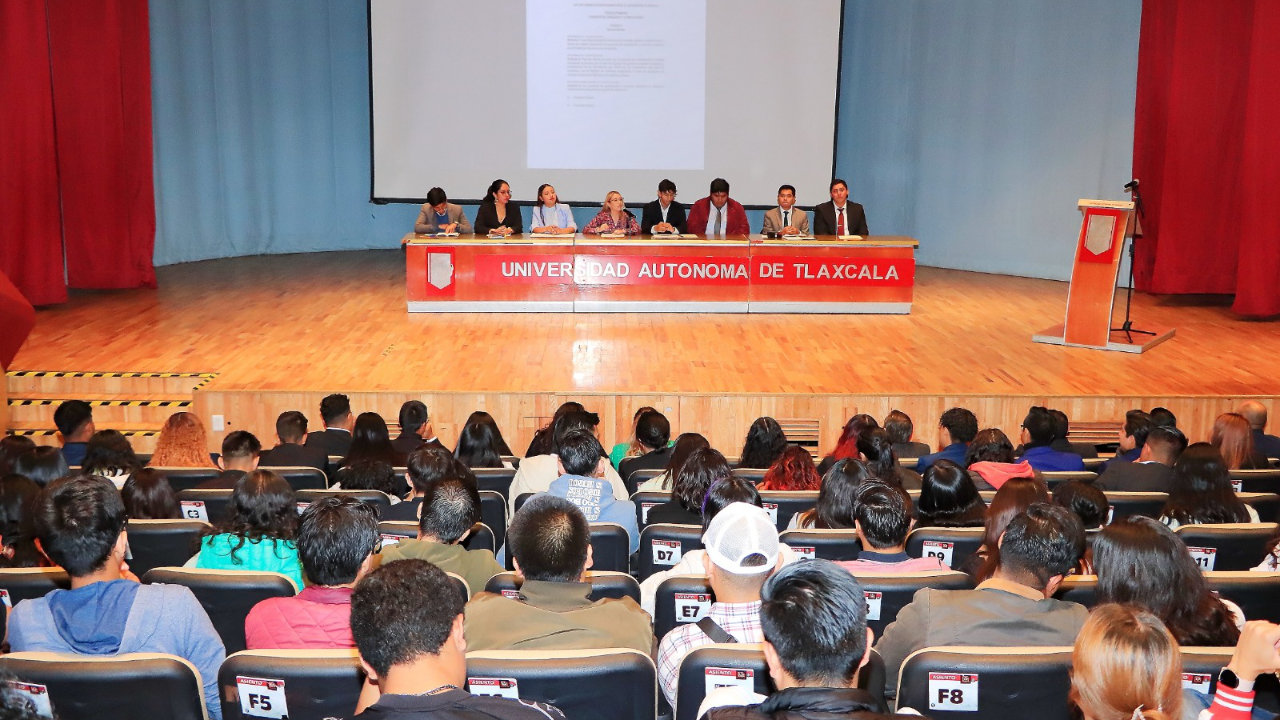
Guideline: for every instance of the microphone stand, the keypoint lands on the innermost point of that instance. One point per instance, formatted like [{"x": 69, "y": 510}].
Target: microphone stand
[{"x": 1127, "y": 326}]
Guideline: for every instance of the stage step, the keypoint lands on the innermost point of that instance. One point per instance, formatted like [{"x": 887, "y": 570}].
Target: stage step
[
  {"x": 108, "y": 412},
  {"x": 135, "y": 385},
  {"x": 143, "y": 440}
]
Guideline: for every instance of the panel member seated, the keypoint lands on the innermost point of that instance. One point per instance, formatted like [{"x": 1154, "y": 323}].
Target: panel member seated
[
  {"x": 496, "y": 214},
  {"x": 786, "y": 219},
  {"x": 839, "y": 216},
  {"x": 550, "y": 216},
  {"x": 613, "y": 219},
  {"x": 664, "y": 215},
  {"x": 439, "y": 215},
  {"x": 719, "y": 214}
]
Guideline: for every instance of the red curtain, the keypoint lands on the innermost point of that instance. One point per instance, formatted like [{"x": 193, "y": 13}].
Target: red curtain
[
  {"x": 78, "y": 81},
  {"x": 1206, "y": 149}
]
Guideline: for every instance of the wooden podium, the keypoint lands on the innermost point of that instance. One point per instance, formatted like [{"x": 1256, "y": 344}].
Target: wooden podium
[{"x": 1091, "y": 297}]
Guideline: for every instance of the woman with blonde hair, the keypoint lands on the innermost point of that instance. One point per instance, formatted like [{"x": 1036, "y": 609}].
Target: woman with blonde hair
[
  {"x": 1126, "y": 666},
  {"x": 182, "y": 443},
  {"x": 1233, "y": 437},
  {"x": 614, "y": 219}
]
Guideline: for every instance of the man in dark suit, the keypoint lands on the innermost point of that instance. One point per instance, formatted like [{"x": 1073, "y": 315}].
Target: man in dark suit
[
  {"x": 718, "y": 214},
  {"x": 1132, "y": 436},
  {"x": 653, "y": 431},
  {"x": 240, "y": 451},
  {"x": 664, "y": 215},
  {"x": 959, "y": 426},
  {"x": 425, "y": 467},
  {"x": 1061, "y": 429},
  {"x": 416, "y": 429},
  {"x": 291, "y": 430},
  {"x": 1256, "y": 413},
  {"x": 839, "y": 216},
  {"x": 1153, "y": 470},
  {"x": 900, "y": 428},
  {"x": 335, "y": 439}
]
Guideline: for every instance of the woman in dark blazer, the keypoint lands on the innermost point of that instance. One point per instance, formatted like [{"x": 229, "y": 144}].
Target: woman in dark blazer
[{"x": 497, "y": 214}]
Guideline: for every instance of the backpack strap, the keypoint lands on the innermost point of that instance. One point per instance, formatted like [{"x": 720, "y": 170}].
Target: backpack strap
[{"x": 714, "y": 631}]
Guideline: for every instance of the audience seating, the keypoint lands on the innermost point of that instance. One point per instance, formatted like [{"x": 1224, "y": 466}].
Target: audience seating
[
  {"x": 397, "y": 529},
  {"x": 1200, "y": 666},
  {"x": 460, "y": 584},
  {"x": 1007, "y": 682},
  {"x": 782, "y": 504},
  {"x": 185, "y": 478},
  {"x": 496, "y": 479},
  {"x": 604, "y": 584},
  {"x": 302, "y": 477},
  {"x": 755, "y": 475},
  {"x": 1081, "y": 589},
  {"x": 1094, "y": 464},
  {"x": 825, "y": 544},
  {"x": 639, "y": 477},
  {"x": 493, "y": 512},
  {"x": 226, "y": 595},
  {"x": 895, "y": 592},
  {"x": 378, "y": 499},
  {"x": 680, "y": 599},
  {"x": 26, "y": 583},
  {"x": 1266, "y": 504},
  {"x": 958, "y": 543},
  {"x": 663, "y": 544},
  {"x": 318, "y": 684},
  {"x": 610, "y": 547},
  {"x": 614, "y": 684},
  {"x": 214, "y": 503},
  {"x": 1254, "y": 592},
  {"x": 1147, "y": 504},
  {"x": 645, "y": 500},
  {"x": 113, "y": 687},
  {"x": 1056, "y": 477},
  {"x": 909, "y": 463},
  {"x": 521, "y": 499},
  {"x": 155, "y": 543},
  {"x": 1267, "y": 481},
  {"x": 481, "y": 537},
  {"x": 712, "y": 666},
  {"x": 1228, "y": 546}
]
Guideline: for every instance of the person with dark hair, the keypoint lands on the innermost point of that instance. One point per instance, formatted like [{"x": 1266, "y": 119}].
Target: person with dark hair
[
  {"x": 1037, "y": 434},
  {"x": 415, "y": 651},
  {"x": 337, "y": 543},
  {"x": 536, "y": 474},
  {"x": 883, "y": 521},
  {"x": 258, "y": 530},
  {"x": 550, "y": 216},
  {"x": 653, "y": 434},
  {"x": 793, "y": 470},
  {"x": 990, "y": 460},
  {"x": 763, "y": 445},
  {"x": 450, "y": 508},
  {"x": 370, "y": 440},
  {"x": 836, "y": 497},
  {"x": 335, "y": 439},
  {"x": 1234, "y": 439},
  {"x": 438, "y": 215},
  {"x": 875, "y": 447},
  {"x": 149, "y": 496},
  {"x": 109, "y": 454},
  {"x": 900, "y": 428},
  {"x": 1256, "y": 413},
  {"x": 1153, "y": 470},
  {"x": 1164, "y": 417},
  {"x": 496, "y": 215},
  {"x": 291, "y": 431},
  {"x": 426, "y": 467},
  {"x": 847, "y": 444},
  {"x": 43, "y": 465},
  {"x": 717, "y": 214},
  {"x": 664, "y": 215},
  {"x": 704, "y": 468},
  {"x": 1061, "y": 433},
  {"x": 684, "y": 446},
  {"x": 1133, "y": 434},
  {"x": 11, "y": 446},
  {"x": 240, "y": 454},
  {"x": 1085, "y": 500},
  {"x": 1011, "y": 500},
  {"x": 480, "y": 443},
  {"x": 742, "y": 550},
  {"x": 1140, "y": 562},
  {"x": 544, "y": 437},
  {"x": 581, "y": 461},
  {"x": 1201, "y": 491},
  {"x": 416, "y": 428},
  {"x": 370, "y": 475},
  {"x": 631, "y": 447},
  {"x": 949, "y": 498},
  {"x": 80, "y": 523},
  {"x": 1015, "y": 606},
  {"x": 785, "y": 219},
  {"x": 550, "y": 542},
  {"x": 17, "y": 534},
  {"x": 74, "y": 420},
  {"x": 838, "y": 216},
  {"x": 814, "y": 620},
  {"x": 958, "y": 427}
]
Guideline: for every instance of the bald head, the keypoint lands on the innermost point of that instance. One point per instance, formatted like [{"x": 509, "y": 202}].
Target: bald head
[{"x": 1255, "y": 412}]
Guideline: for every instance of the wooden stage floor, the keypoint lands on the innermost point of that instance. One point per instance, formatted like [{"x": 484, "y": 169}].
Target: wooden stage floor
[{"x": 307, "y": 324}]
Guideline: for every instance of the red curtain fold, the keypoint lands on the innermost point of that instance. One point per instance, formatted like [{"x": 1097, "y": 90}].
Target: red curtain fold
[{"x": 1205, "y": 148}]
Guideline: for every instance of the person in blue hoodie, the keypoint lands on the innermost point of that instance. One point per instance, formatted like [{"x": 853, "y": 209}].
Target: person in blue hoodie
[
  {"x": 80, "y": 524},
  {"x": 582, "y": 462},
  {"x": 1037, "y": 433}
]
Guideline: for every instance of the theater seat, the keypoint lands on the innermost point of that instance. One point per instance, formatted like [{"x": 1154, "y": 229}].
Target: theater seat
[
  {"x": 1053, "y": 478},
  {"x": 302, "y": 477},
  {"x": 317, "y": 684},
  {"x": 663, "y": 544},
  {"x": 952, "y": 546},
  {"x": 712, "y": 666},
  {"x": 226, "y": 595},
  {"x": 1266, "y": 504},
  {"x": 495, "y": 479},
  {"x": 646, "y": 500},
  {"x": 604, "y": 584},
  {"x": 1228, "y": 546},
  {"x": 610, "y": 547},
  {"x": 824, "y": 544},
  {"x": 888, "y": 594},
  {"x": 155, "y": 543},
  {"x": 1147, "y": 504},
  {"x": 1081, "y": 589},
  {"x": 207, "y": 505},
  {"x": 640, "y": 477},
  {"x": 392, "y": 531},
  {"x": 1254, "y": 592},
  {"x": 613, "y": 684},
  {"x": 755, "y": 475},
  {"x": 782, "y": 504},
  {"x": 184, "y": 478},
  {"x": 113, "y": 687},
  {"x": 378, "y": 499},
  {"x": 987, "y": 683},
  {"x": 678, "y": 600},
  {"x": 1267, "y": 481},
  {"x": 25, "y": 583},
  {"x": 493, "y": 512}
]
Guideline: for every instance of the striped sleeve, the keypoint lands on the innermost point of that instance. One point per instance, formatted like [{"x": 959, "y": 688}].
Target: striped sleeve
[{"x": 1229, "y": 704}]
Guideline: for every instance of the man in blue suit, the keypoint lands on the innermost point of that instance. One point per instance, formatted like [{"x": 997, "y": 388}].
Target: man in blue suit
[{"x": 1037, "y": 433}]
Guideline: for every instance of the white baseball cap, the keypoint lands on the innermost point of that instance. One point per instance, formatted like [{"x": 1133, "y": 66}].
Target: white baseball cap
[{"x": 741, "y": 539}]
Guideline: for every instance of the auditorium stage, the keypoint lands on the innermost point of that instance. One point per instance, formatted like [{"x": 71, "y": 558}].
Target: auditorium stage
[{"x": 281, "y": 331}]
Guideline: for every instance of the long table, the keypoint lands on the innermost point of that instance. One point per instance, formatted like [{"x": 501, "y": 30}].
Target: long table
[{"x": 653, "y": 274}]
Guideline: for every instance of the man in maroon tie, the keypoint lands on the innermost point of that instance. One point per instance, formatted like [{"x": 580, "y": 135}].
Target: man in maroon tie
[{"x": 839, "y": 216}]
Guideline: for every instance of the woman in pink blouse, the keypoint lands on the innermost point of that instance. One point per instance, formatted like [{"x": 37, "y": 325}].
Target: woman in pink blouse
[{"x": 614, "y": 219}]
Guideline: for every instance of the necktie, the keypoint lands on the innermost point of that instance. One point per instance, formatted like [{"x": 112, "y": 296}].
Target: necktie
[
  {"x": 719, "y": 227},
  {"x": 786, "y": 218},
  {"x": 840, "y": 221}
]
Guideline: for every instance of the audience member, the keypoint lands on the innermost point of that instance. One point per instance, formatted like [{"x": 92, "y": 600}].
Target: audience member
[
  {"x": 741, "y": 551},
  {"x": 74, "y": 420},
  {"x": 1037, "y": 434},
  {"x": 109, "y": 455},
  {"x": 847, "y": 443},
  {"x": 1061, "y": 437},
  {"x": 1086, "y": 501},
  {"x": 882, "y": 524},
  {"x": 1141, "y": 562},
  {"x": 1256, "y": 413},
  {"x": 11, "y": 446},
  {"x": 80, "y": 523},
  {"x": 371, "y": 475},
  {"x": 418, "y": 660},
  {"x": 258, "y": 531},
  {"x": 1201, "y": 491},
  {"x": 582, "y": 463},
  {"x": 1133, "y": 434},
  {"x": 240, "y": 453},
  {"x": 149, "y": 496},
  {"x": 1127, "y": 666},
  {"x": 948, "y": 498},
  {"x": 793, "y": 470},
  {"x": 480, "y": 443},
  {"x": 834, "y": 508},
  {"x": 718, "y": 214},
  {"x": 182, "y": 443},
  {"x": 536, "y": 474},
  {"x": 958, "y": 427},
  {"x": 42, "y": 464},
  {"x": 1011, "y": 500},
  {"x": 17, "y": 533},
  {"x": 1163, "y": 417},
  {"x": 991, "y": 463},
  {"x": 291, "y": 431},
  {"x": 416, "y": 428},
  {"x": 631, "y": 447},
  {"x": 335, "y": 439},
  {"x": 370, "y": 440},
  {"x": 704, "y": 468},
  {"x": 544, "y": 438},
  {"x": 337, "y": 541},
  {"x": 764, "y": 444},
  {"x": 1153, "y": 470},
  {"x": 653, "y": 433},
  {"x": 549, "y": 540},
  {"x": 449, "y": 511},
  {"x": 875, "y": 447},
  {"x": 664, "y": 215},
  {"x": 684, "y": 446},
  {"x": 1233, "y": 437},
  {"x": 426, "y": 466},
  {"x": 900, "y": 428},
  {"x": 1015, "y": 606}
]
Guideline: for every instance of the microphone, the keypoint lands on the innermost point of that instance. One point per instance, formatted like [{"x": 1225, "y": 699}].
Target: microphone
[{"x": 1131, "y": 185}]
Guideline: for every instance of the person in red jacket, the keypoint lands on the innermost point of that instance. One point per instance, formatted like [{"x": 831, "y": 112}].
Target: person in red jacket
[
  {"x": 320, "y": 615},
  {"x": 718, "y": 214}
]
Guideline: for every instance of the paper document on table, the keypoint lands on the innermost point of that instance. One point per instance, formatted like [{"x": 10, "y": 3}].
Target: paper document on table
[
  {"x": 850, "y": 237},
  {"x": 550, "y": 235}
]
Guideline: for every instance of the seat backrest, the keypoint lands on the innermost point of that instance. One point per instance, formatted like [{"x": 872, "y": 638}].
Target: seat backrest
[
  {"x": 521, "y": 499},
  {"x": 1146, "y": 504},
  {"x": 302, "y": 477},
  {"x": 640, "y": 477},
  {"x": 154, "y": 543},
  {"x": 111, "y": 687},
  {"x": 1267, "y": 505},
  {"x": 1081, "y": 589},
  {"x": 680, "y": 599},
  {"x": 604, "y": 584},
  {"x": 393, "y": 531},
  {"x": 610, "y": 547},
  {"x": 226, "y": 595},
  {"x": 614, "y": 684},
  {"x": 26, "y": 583},
  {"x": 183, "y": 478},
  {"x": 663, "y": 544},
  {"x": 1228, "y": 546},
  {"x": 646, "y": 500},
  {"x": 495, "y": 479},
  {"x": 782, "y": 504},
  {"x": 378, "y": 499},
  {"x": 1254, "y": 592},
  {"x": 1053, "y": 478},
  {"x": 493, "y": 512},
  {"x": 206, "y": 505},
  {"x": 987, "y": 683},
  {"x": 952, "y": 546},
  {"x": 297, "y": 684},
  {"x": 755, "y": 475},
  {"x": 824, "y": 544},
  {"x": 1200, "y": 666},
  {"x": 887, "y": 594},
  {"x": 711, "y": 666},
  {"x": 1267, "y": 481}
]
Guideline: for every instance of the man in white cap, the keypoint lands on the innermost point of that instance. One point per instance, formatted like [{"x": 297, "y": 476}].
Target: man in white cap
[{"x": 741, "y": 552}]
